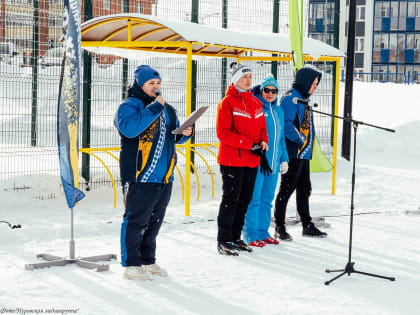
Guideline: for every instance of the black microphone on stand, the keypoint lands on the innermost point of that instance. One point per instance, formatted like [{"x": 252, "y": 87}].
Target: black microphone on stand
[{"x": 296, "y": 100}]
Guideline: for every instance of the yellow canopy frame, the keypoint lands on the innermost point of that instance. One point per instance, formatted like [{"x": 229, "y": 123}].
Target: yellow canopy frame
[{"x": 137, "y": 32}]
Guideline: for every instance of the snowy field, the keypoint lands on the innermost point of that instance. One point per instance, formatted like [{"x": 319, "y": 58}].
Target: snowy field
[{"x": 284, "y": 279}]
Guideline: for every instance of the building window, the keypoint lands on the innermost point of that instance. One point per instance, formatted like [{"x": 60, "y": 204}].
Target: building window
[
  {"x": 394, "y": 9},
  {"x": 403, "y": 9},
  {"x": 394, "y": 23},
  {"x": 409, "y": 56},
  {"x": 401, "y": 56},
  {"x": 410, "y": 41},
  {"x": 384, "y": 41},
  {"x": 358, "y": 60},
  {"x": 360, "y": 28},
  {"x": 360, "y": 43},
  {"x": 360, "y": 13},
  {"x": 401, "y": 41},
  {"x": 411, "y": 11},
  {"x": 385, "y": 9},
  {"x": 138, "y": 7},
  {"x": 107, "y": 4},
  {"x": 378, "y": 24},
  {"x": 377, "y": 41}
]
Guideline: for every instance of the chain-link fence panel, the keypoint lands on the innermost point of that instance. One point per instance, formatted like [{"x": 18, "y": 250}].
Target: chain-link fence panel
[{"x": 29, "y": 80}]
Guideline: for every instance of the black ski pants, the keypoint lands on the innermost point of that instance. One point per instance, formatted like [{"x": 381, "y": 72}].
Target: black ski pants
[
  {"x": 297, "y": 178},
  {"x": 238, "y": 186},
  {"x": 144, "y": 213}
]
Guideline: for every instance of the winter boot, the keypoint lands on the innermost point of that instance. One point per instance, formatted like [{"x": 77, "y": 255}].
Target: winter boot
[
  {"x": 257, "y": 243},
  {"x": 155, "y": 269},
  {"x": 282, "y": 234},
  {"x": 136, "y": 272},
  {"x": 227, "y": 248},
  {"x": 271, "y": 240},
  {"x": 311, "y": 230},
  {"x": 242, "y": 246}
]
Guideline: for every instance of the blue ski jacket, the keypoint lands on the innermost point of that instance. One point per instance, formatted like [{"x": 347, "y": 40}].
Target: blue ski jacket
[
  {"x": 274, "y": 119},
  {"x": 298, "y": 121},
  {"x": 147, "y": 144}
]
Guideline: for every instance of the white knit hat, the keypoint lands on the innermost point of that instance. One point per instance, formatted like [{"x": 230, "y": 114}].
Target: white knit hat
[{"x": 238, "y": 70}]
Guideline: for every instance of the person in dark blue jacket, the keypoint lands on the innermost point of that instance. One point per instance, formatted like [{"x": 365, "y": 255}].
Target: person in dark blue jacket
[
  {"x": 147, "y": 160},
  {"x": 258, "y": 215},
  {"x": 300, "y": 136}
]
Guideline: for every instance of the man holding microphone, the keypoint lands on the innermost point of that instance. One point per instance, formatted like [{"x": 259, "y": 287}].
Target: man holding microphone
[{"x": 145, "y": 121}]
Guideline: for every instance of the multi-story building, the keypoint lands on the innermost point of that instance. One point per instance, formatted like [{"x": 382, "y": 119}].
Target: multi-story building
[
  {"x": 321, "y": 20},
  {"x": 396, "y": 40},
  {"x": 18, "y": 18},
  {"x": 387, "y": 43}
]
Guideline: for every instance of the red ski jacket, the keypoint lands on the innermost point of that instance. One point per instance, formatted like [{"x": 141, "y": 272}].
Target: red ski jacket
[{"x": 240, "y": 123}]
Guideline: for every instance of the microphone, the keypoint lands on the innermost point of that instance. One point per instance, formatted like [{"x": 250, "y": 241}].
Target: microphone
[
  {"x": 157, "y": 92},
  {"x": 296, "y": 100}
]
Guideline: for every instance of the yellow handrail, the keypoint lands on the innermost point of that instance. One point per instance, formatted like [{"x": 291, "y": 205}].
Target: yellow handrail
[
  {"x": 187, "y": 172},
  {"x": 203, "y": 146},
  {"x": 209, "y": 169},
  {"x": 107, "y": 169}
]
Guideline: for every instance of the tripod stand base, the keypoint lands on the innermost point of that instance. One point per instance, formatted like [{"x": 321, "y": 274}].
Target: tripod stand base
[
  {"x": 349, "y": 269},
  {"x": 84, "y": 262}
]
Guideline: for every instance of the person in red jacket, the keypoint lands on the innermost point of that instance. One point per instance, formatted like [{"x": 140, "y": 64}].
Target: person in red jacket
[{"x": 240, "y": 127}]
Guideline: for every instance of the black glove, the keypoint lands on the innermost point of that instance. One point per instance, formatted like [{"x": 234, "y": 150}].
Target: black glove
[
  {"x": 264, "y": 167},
  {"x": 257, "y": 150}
]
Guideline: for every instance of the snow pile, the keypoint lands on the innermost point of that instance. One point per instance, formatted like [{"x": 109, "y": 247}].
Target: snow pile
[{"x": 283, "y": 279}]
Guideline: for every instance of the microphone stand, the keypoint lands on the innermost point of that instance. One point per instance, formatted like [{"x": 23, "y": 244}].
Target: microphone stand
[{"x": 349, "y": 268}]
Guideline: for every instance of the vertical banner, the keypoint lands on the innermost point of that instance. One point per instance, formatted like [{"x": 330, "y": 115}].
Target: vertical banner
[
  {"x": 319, "y": 162},
  {"x": 68, "y": 104},
  {"x": 296, "y": 32}
]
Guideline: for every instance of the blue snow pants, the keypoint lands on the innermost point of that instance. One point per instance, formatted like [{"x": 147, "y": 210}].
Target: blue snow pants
[
  {"x": 258, "y": 215},
  {"x": 144, "y": 213}
]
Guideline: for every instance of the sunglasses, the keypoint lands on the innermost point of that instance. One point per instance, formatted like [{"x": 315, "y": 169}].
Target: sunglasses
[{"x": 267, "y": 90}]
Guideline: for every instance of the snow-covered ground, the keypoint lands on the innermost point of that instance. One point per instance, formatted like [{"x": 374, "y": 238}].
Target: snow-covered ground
[{"x": 284, "y": 279}]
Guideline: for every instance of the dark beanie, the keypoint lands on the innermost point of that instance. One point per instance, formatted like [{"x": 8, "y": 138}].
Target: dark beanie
[
  {"x": 304, "y": 79},
  {"x": 145, "y": 73}
]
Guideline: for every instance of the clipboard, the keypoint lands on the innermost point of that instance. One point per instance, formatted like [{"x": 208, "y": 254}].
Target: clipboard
[{"x": 190, "y": 120}]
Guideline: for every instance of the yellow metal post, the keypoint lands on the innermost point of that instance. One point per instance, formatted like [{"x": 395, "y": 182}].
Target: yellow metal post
[
  {"x": 188, "y": 144},
  {"x": 337, "y": 87}
]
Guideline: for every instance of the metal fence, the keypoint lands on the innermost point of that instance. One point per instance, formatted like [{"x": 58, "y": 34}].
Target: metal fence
[
  {"x": 405, "y": 78},
  {"x": 29, "y": 80}
]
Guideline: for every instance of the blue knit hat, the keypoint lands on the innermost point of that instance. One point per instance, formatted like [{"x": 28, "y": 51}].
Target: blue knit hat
[
  {"x": 145, "y": 73},
  {"x": 269, "y": 81}
]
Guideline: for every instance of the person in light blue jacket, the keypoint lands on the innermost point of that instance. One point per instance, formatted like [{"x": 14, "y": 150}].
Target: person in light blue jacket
[{"x": 258, "y": 215}]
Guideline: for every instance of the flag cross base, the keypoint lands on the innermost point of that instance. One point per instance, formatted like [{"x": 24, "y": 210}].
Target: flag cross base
[{"x": 84, "y": 262}]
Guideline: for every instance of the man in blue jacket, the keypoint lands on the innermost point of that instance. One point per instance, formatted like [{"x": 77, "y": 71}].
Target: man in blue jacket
[
  {"x": 300, "y": 136},
  {"x": 147, "y": 160}
]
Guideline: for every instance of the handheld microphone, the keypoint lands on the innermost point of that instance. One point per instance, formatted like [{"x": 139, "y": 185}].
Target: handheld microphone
[
  {"x": 157, "y": 92},
  {"x": 296, "y": 100}
]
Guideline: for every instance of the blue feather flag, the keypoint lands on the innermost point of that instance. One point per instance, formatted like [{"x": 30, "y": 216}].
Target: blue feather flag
[{"x": 68, "y": 104}]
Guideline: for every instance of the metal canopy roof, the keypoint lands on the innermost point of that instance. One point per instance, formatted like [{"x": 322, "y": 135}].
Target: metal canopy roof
[{"x": 145, "y": 32}]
